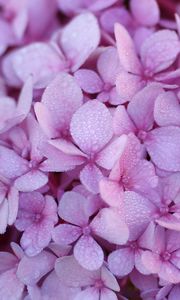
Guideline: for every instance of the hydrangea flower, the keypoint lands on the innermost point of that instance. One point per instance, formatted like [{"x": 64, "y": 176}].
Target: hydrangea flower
[
  {"x": 36, "y": 217},
  {"x": 138, "y": 73},
  {"x": 97, "y": 284},
  {"x": 77, "y": 210}
]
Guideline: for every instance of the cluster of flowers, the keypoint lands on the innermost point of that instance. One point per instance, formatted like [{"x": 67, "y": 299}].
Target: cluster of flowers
[{"x": 89, "y": 150}]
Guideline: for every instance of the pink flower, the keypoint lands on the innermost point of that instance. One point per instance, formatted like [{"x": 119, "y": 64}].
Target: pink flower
[
  {"x": 131, "y": 172},
  {"x": 45, "y": 60},
  {"x": 137, "y": 73},
  {"x": 11, "y": 113},
  {"x": 162, "y": 144},
  {"x": 162, "y": 256},
  {"x": 94, "y": 283},
  {"x": 70, "y": 8},
  {"x": 77, "y": 210},
  {"x": 18, "y": 270},
  {"x": 37, "y": 216},
  {"x": 93, "y": 136},
  {"x": 102, "y": 82}
]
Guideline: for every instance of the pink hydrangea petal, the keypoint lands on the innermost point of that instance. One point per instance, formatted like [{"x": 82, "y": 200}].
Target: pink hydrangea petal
[
  {"x": 6, "y": 36},
  {"x": 173, "y": 242},
  {"x": 111, "y": 192},
  {"x": 146, "y": 240},
  {"x": 74, "y": 274},
  {"x": 73, "y": 208},
  {"x": 11, "y": 164},
  {"x": 7, "y": 261},
  {"x": 144, "y": 282},
  {"x": 52, "y": 287},
  {"x": 36, "y": 237},
  {"x": 174, "y": 293},
  {"x": 31, "y": 269},
  {"x": 89, "y": 81},
  {"x": 126, "y": 50},
  {"x": 46, "y": 63},
  {"x": 31, "y": 181},
  {"x": 122, "y": 122},
  {"x": 109, "y": 279},
  {"x": 13, "y": 203},
  {"x": 20, "y": 23},
  {"x": 38, "y": 29},
  {"x": 169, "y": 273},
  {"x": 9, "y": 72},
  {"x": 143, "y": 177},
  {"x": 66, "y": 234},
  {"x": 62, "y": 97},
  {"x": 3, "y": 216},
  {"x": 128, "y": 160},
  {"x": 107, "y": 294},
  {"x": 147, "y": 13},
  {"x": 89, "y": 294},
  {"x": 90, "y": 177},
  {"x": 138, "y": 213},
  {"x": 139, "y": 264},
  {"x": 30, "y": 204},
  {"x": 80, "y": 38},
  {"x": 57, "y": 161},
  {"x": 66, "y": 147},
  {"x": 163, "y": 145},
  {"x": 151, "y": 261},
  {"x": 101, "y": 4},
  {"x": 105, "y": 224},
  {"x": 88, "y": 253},
  {"x": 108, "y": 65},
  {"x": 45, "y": 120},
  {"x": 25, "y": 98},
  {"x": 167, "y": 110},
  {"x": 141, "y": 107},
  {"x": 70, "y": 8},
  {"x": 10, "y": 286},
  {"x": 111, "y": 153},
  {"x": 128, "y": 85},
  {"x": 160, "y": 50},
  {"x": 91, "y": 126},
  {"x": 114, "y": 15},
  {"x": 121, "y": 262},
  {"x": 170, "y": 222}
]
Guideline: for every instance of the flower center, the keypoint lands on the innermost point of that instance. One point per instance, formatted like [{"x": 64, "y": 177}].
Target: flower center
[
  {"x": 99, "y": 284},
  {"x": 142, "y": 135},
  {"x": 107, "y": 87},
  {"x": 133, "y": 245},
  {"x": 166, "y": 256},
  {"x": 86, "y": 230}
]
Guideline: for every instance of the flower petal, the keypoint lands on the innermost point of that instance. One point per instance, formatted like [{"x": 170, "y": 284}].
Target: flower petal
[
  {"x": 163, "y": 146},
  {"x": 65, "y": 234},
  {"x": 126, "y": 50},
  {"x": 89, "y": 81},
  {"x": 147, "y": 13},
  {"x": 160, "y": 50},
  {"x": 88, "y": 253},
  {"x": 91, "y": 126},
  {"x": 73, "y": 208},
  {"x": 80, "y": 38},
  {"x": 105, "y": 225},
  {"x": 32, "y": 269},
  {"x": 167, "y": 110},
  {"x": 62, "y": 97},
  {"x": 90, "y": 177},
  {"x": 112, "y": 152},
  {"x": 121, "y": 262}
]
